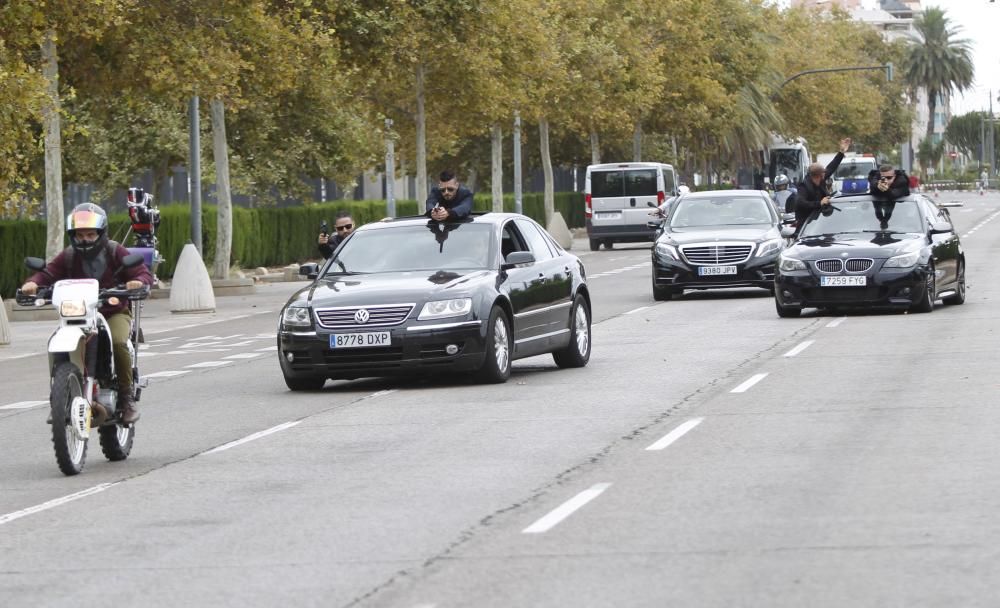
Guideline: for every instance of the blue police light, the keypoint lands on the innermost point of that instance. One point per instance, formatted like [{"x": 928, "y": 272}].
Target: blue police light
[{"x": 854, "y": 186}]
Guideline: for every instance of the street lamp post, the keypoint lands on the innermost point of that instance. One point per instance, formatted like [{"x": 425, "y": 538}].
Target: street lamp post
[{"x": 390, "y": 170}]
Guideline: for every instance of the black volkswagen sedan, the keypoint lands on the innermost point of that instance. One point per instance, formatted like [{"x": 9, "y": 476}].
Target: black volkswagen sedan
[
  {"x": 416, "y": 296},
  {"x": 715, "y": 239},
  {"x": 863, "y": 253}
]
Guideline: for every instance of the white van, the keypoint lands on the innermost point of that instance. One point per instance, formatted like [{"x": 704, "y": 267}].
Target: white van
[{"x": 617, "y": 197}]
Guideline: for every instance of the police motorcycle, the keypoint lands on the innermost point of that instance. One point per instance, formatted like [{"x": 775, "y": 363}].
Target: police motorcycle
[{"x": 84, "y": 387}]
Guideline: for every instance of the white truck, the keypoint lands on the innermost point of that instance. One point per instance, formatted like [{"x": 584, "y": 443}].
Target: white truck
[{"x": 852, "y": 174}]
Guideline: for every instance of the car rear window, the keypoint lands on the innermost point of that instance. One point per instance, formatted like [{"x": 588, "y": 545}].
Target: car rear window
[{"x": 629, "y": 182}]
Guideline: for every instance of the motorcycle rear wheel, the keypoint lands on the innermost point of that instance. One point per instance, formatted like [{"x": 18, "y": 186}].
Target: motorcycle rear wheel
[
  {"x": 116, "y": 441},
  {"x": 67, "y": 386}
]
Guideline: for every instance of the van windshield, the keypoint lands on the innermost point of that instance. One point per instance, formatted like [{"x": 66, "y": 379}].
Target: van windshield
[{"x": 630, "y": 182}]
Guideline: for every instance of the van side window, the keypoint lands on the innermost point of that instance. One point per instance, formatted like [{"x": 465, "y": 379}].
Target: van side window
[
  {"x": 640, "y": 182},
  {"x": 669, "y": 184},
  {"x": 606, "y": 184}
]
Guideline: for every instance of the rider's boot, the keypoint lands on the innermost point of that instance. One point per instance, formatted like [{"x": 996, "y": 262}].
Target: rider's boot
[{"x": 129, "y": 410}]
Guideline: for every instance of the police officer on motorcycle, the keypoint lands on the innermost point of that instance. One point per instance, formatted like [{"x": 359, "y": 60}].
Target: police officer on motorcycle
[
  {"x": 91, "y": 255},
  {"x": 784, "y": 195}
]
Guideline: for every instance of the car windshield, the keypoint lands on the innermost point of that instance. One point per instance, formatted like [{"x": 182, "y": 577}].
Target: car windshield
[
  {"x": 865, "y": 216},
  {"x": 852, "y": 170},
  {"x": 431, "y": 246},
  {"x": 721, "y": 211}
]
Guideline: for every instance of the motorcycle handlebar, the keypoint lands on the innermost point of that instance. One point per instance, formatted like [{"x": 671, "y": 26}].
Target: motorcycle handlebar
[{"x": 44, "y": 295}]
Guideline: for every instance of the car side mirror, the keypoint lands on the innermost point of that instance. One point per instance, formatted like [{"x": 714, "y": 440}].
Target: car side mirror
[
  {"x": 787, "y": 232},
  {"x": 310, "y": 270},
  {"x": 517, "y": 258},
  {"x": 940, "y": 228},
  {"x": 650, "y": 204}
]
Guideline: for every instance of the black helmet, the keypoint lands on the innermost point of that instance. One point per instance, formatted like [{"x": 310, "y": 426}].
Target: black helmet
[
  {"x": 136, "y": 196},
  {"x": 87, "y": 216}
]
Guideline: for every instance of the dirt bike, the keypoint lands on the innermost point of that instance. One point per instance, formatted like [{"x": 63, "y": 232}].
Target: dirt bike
[{"x": 84, "y": 387}]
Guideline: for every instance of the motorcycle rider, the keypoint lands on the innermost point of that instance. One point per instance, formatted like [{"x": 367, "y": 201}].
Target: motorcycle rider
[
  {"x": 784, "y": 195},
  {"x": 91, "y": 255}
]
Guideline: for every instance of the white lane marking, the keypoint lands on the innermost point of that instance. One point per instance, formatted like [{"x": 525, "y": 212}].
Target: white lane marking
[
  {"x": 213, "y": 343},
  {"x": 746, "y": 385},
  {"x": 836, "y": 322},
  {"x": 675, "y": 434},
  {"x": 197, "y": 350},
  {"x": 166, "y": 374},
  {"x": 248, "y": 438},
  {"x": 798, "y": 349},
  {"x": 235, "y": 344},
  {"x": 566, "y": 509},
  {"x": 264, "y": 350},
  {"x": 9, "y": 517},
  {"x": 244, "y": 356},
  {"x": 23, "y": 405},
  {"x": 636, "y": 310},
  {"x": 387, "y": 391},
  {"x": 208, "y": 364},
  {"x": 24, "y": 356}
]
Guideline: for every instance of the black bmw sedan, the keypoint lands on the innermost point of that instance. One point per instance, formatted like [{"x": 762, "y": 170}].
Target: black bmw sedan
[
  {"x": 862, "y": 253},
  {"x": 413, "y": 295},
  {"x": 715, "y": 239}
]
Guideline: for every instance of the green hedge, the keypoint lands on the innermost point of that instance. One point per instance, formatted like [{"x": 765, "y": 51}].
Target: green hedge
[{"x": 266, "y": 236}]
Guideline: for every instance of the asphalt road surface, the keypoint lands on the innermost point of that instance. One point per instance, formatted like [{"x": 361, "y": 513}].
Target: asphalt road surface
[{"x": 711, "y": 454}]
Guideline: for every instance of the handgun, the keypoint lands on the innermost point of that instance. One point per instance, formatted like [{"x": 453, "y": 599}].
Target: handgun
[{"x": 324, "y": 229}]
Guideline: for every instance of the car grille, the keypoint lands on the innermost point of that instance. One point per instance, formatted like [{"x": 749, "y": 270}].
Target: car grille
[
  {"x": 834, "y": 265},
  {"x": 363, "y": 357},
  {"x": 343, "y": 317},
  {"x": 858, "y": 264},
  {"x": 716, "y": 254}
]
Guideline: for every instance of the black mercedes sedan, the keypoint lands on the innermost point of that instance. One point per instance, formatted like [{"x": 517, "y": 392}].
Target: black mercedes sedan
[
  {"x": 715, "y": 239},
  {"x": 863, "y": 253},
  {"x": 417, "y": 296}
]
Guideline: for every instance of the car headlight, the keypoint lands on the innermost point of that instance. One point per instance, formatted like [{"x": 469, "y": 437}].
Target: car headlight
[
  {"x": 790, "y": 264},
  {"x": 296, "y": 316},
  {"x": 902, "y": 261},
  {"x": 72, "y": 308},
  {"x": 667, "y": 251},
  {"x": 768, "y": 247},
  {"x": 441, "y": 309}
]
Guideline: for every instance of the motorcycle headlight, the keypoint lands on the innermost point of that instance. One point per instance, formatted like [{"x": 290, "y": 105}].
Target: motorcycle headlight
[
  {"x": 902, "y": 261},
  {"x": 296, "y": 316},
  {"x": 72, "y": 308},
  {"x": 791, "y": 264},
  {"x": 667, "y": 251},
  {"x": 441, "y": 309},
  {"x": 768, "y": 247}
]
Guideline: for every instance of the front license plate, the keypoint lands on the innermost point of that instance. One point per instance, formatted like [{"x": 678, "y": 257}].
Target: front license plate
[
  {"x": 843, "y": 281},
  {"x": 365, "y": 340},
  {"x": 714, "y": 270}
]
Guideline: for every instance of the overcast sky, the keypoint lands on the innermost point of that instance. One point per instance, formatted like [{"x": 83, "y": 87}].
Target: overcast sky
[{"x": 979, "y": 21}]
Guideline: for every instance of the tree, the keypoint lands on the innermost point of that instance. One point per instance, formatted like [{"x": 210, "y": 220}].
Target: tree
[
  {"x": 937, "y": 61},
  {"x": 965, "y": 132}
]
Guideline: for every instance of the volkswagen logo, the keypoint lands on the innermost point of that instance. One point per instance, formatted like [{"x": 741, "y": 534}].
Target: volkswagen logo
[{"x": 361, "y": 317}]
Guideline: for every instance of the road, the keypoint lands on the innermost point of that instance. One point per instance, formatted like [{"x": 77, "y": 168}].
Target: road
[{"x": 711, "y": 454}]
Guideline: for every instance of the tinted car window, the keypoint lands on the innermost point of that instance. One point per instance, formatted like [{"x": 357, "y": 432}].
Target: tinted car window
[
  {"x": 536, "y": 242},
  {"x": 605, "y": 184},
  {"x": 866, "y": 216},
  {"x": 640, "y": 182},
  {"x": 721, "y": 211},
  {"x": 435, "y": 246}
]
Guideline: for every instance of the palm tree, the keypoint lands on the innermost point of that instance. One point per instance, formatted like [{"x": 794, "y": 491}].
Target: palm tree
[{"x": 936, "y": 60}]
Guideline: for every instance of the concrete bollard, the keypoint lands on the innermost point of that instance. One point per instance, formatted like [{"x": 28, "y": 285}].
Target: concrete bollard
[
  {"x": 191, "y": 290},
  {"x": 559, "y": 231},
  {"x": 291, "y": 273},
  {"x": 4, "y": 325}
]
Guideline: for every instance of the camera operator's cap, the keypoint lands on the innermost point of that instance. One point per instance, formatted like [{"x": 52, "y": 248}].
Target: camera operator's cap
[{"x": 87, "y": 216}]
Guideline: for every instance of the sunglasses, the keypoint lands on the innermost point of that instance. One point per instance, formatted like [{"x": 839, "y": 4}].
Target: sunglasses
[
  {"x": 449, "y": 189},
  {"x": 344, "y": 227}
]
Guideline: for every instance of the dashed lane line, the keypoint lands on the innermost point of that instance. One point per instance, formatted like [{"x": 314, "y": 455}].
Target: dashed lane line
[
  {"x": 749, "y": 383},
  {"x": 836, "y": 322},
  {"x": 798, "y": 349},
  {"x": 252, "y": 437},
  {"x": 566, "y": 509},
  {"x": 675, "y": 434},
  {"x": 635, "y": 310},
  {"x": 9, "y": 517},
  {"x": 167, "y": 374},
  {"x": 23, "y": 405},
  {"x": 244, "y": 356},
  {"x": 207, "y": 364}
]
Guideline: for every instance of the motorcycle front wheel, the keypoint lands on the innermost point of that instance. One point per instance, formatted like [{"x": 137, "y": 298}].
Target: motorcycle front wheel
[
  {"x": 116, "y": 441},
  {"x": 67, "y": 394}
]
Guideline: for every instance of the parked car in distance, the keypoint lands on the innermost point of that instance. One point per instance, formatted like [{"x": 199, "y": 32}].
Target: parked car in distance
[
  {"x": 863, "y": 253},
  {"x": 617, "y": 195},
  {"x": 716, "y": 239},
  {"x": 416, "y": 296}
]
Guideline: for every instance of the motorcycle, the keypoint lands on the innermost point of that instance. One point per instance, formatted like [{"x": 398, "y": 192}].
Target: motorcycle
[{"x": 83, "y": 383}]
